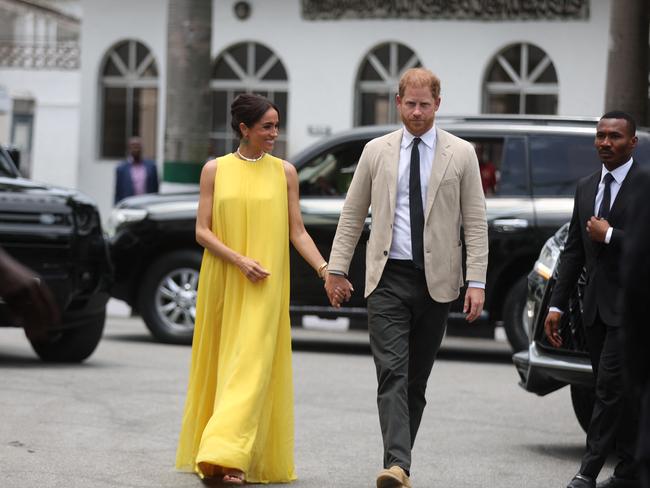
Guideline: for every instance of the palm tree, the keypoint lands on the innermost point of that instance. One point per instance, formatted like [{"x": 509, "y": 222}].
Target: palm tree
[
  {"x": 187, "y": 122},
  {"x": 627, "y": 64}
]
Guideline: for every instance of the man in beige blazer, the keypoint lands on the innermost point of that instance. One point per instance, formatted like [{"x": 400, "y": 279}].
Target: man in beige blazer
[{"x": 421, "y": 184}]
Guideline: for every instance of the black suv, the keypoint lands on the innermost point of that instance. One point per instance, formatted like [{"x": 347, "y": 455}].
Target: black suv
[
  {"x": 57, "y": 233},
  {"x": 529, "y": 168}
]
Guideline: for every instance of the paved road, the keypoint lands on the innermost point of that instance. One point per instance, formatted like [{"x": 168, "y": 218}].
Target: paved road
[{"x": 113, "y": 421}]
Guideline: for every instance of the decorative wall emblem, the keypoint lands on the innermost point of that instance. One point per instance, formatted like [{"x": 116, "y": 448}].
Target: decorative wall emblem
[{"x": 490, "y": 10}]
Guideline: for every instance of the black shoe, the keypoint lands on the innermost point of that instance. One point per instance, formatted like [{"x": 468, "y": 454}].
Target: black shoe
[
  {"x": 582, "y": 481},
  {"x": 614, "y": 482}
]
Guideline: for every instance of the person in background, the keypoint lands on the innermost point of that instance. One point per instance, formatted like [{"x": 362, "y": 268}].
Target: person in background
[{"x": 135, "y": 176}]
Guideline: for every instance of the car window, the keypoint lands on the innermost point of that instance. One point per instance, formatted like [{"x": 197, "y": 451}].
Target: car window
[
  {"x": 559, "y": 161},
  {"x": 330, "y": 173},
  {"x": 642, "y": 151},
  {"x": 502, "y": 161}
]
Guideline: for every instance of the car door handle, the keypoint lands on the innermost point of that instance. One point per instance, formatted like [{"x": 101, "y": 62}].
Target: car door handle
[{"x": 510, "y": 225}]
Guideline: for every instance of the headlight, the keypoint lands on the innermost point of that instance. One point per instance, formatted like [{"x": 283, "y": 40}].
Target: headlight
[
  {"x": 86, "y": 219},
  {"x": 545, "y": 264},
  {"x": 120, "y": 216}
]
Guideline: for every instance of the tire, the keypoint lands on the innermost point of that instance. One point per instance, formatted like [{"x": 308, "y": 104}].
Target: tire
[
  {"x": 583, "y": 400},
  {"x": 70, "y": 345},
  {"x": 514, "y": 309},
  {"x": 167, "y": 299}
]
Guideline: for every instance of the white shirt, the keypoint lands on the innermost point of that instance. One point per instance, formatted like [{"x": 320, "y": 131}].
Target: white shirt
[
  {"x": 400, "y": 247},
  {"x": 619, "y": 175}
]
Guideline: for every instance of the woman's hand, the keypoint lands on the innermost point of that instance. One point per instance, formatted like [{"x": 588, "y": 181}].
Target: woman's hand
[{"x": 251, "y": 269}]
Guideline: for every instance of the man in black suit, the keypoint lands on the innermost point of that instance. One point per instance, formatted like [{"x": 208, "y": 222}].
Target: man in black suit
[
  {"x": 595, "y": 242},
  {"x": 636, "y": 290}
]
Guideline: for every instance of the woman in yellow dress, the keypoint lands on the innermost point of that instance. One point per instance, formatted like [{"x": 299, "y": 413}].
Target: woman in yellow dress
[{"x": 238, "y": 419}]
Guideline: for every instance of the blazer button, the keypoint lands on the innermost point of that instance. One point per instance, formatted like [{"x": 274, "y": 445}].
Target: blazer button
[{"x": 385, "y": 253}]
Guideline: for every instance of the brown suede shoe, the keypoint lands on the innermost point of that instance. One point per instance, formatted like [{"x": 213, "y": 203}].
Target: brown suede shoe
[{"x": 393, "y": 477}]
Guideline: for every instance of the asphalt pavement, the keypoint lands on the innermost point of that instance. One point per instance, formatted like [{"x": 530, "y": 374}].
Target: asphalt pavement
[{"x": 113, "y": 421}]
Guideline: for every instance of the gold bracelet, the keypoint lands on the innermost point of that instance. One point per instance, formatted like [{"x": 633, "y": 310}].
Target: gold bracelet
[{"x": 321, "y": 269}]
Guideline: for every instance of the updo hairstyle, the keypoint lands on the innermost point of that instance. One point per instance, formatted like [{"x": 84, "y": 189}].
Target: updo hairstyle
[{"x": 249, "y": 109}]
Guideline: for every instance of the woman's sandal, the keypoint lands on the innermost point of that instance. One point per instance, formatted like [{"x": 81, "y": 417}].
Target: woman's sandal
[{"x": 234, "y": 477}]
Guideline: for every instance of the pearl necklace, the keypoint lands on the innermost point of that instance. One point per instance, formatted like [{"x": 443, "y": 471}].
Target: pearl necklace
[{"x": 251, "y": 160}]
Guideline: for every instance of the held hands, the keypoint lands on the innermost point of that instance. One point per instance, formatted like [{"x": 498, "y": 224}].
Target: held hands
[
  {"x": 551, "y": 328},
  {"x": 597, "y": 229},
  {"x": 338, "y": 289},
  {"x": 474, "y": 300},
  {"x": 251, "y": 269}
]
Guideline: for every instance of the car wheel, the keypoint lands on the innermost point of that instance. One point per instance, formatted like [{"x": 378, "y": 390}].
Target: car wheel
[
  {"x": 583, "y": 400},
  {"x": 167, "y": 300},
  {"x": 70, "y": 345},
  {"x": 514, "y": 309}
]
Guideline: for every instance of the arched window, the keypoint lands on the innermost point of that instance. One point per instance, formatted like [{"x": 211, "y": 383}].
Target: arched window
[
  {"x": 247, "y": 67},
  {"x": 521, "y": 80},
  {"x": 129, "y": 87},
  {"x": 377, "y": 82}
]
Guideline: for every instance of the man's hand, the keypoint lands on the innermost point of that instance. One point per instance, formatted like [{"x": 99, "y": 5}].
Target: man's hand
[
  {"x": 27, "y": 298},
  {"x": 597, "y": 229},
  {"x": 252, "y": 269},
  {"x": 474, "y": 300},
  {"x": 551, "y": 328},
  {"x": 338, "y": 289}
]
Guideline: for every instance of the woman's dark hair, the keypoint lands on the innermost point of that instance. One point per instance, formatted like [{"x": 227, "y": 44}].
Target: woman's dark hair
[{"x": 249, "y": 109}]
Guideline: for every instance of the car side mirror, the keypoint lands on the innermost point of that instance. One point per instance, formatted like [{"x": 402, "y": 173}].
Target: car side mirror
[{"x": 14, "y": 153}]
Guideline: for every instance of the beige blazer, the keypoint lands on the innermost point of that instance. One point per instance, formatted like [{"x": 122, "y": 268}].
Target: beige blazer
[{"x": 454, "y": 197}]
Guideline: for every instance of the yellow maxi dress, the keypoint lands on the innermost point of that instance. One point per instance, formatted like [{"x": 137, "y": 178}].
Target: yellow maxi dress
[{"x": 239, "y": 406}]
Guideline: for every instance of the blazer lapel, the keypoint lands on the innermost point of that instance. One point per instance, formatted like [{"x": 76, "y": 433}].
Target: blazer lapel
[
  {"x": 622, "y": 195},
  {"x": 390, "y": 163},
  {"x": 588, "y": 201},
  {"x": 441, "y": 160}
]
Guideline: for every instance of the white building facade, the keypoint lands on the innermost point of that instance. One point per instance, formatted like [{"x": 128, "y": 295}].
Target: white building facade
[
  {"x": 39, "y": 86},
  {"x": 331, "y": 66}
]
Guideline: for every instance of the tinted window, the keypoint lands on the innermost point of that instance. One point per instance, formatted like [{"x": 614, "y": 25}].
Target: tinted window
[
  {"x": 558, "y": 162},
  {"x": 502, "y": 162},
  {"x": 330, "y": 173},
  {"x": 642, "y": 152}
]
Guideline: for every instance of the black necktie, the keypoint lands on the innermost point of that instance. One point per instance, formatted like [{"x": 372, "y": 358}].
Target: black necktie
[
  {"x": 603, "y": 210},
  {"x": 415, "y": 207}
]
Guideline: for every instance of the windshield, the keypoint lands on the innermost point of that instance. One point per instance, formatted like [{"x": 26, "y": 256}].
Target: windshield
[{"x": 7, "y": 168}]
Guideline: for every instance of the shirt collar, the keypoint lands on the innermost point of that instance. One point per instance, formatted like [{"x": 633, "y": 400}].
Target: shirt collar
[
  {"x": 619, "y": 173},
  {"x": 428, "y": 138}
]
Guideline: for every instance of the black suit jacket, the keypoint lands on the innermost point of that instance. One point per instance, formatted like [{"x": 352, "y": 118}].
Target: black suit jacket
[
  {"x": 636, "y": 293},
  {"x": 636, "y": 282},
  {"x": 601, "y": 261}
]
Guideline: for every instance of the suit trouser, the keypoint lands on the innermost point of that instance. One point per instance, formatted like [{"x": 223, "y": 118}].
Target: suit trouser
[
  {"x": 614, "y": 420},
  {"x": 406, "y": 328},
  {"x": 643, "y": 447}
]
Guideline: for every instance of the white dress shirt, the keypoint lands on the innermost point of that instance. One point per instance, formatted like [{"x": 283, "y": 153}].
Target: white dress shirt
[
  {"x": 619, "y": 175},
  {"x": 400, "y": 247}
]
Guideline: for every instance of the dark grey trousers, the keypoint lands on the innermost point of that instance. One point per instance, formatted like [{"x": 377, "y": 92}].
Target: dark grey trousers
[
  {"x": 614, "y": 420},
  {"x": 406, "y": 328}
]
